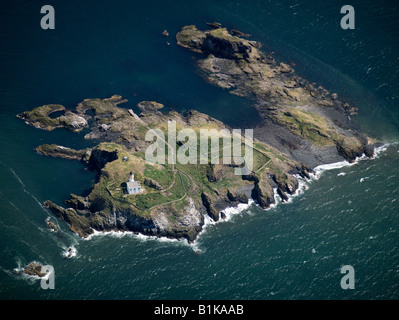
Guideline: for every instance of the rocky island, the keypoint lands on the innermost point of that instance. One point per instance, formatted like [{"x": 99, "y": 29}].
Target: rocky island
[
  {"x": 302, "y": 126},
  {"x": 34, "y": 269}
]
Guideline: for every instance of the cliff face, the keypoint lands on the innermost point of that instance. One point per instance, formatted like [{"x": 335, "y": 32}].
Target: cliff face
[
  {"x": 104, "y": 209},
  {"x": 99, "y": 158},
  {"x": 175, "y": 198},
  {"x": 302, "y": 126}
]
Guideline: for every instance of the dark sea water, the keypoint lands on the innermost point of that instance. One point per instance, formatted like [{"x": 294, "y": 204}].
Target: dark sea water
[{"x": 349, "y": 216}]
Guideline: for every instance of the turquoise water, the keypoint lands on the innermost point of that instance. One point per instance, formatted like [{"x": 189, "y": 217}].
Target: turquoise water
[{"x": 293, "y": 251}]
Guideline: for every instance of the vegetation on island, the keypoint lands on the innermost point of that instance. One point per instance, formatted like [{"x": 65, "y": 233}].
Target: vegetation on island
[{"x": 175, "y": 197}]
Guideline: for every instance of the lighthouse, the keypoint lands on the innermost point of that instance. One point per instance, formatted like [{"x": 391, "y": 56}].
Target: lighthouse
[{"x": 133, "y": 187}]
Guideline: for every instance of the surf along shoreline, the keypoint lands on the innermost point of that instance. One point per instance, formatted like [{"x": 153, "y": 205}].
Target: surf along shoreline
[
  {"x": 231, "y": 212},
  {"x": 303, "y": 126}
]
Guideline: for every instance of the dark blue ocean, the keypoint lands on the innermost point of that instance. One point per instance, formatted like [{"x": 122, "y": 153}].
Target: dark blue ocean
[{"x": 349, "y": 216}]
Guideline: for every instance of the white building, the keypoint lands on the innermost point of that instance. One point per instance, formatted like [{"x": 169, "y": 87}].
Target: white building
[{"x": 133, "y": 187}]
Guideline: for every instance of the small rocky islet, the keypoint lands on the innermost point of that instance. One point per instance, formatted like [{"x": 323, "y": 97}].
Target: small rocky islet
[
  {"x": 302, "y": 126},
  {"x": 34, "y": 269}
]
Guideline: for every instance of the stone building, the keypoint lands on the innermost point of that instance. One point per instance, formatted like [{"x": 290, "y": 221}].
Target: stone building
[{"x": 133, "y": 187}]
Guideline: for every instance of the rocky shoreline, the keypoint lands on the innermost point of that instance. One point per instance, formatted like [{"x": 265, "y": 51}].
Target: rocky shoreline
[
  {"x": 302, "y": 126},
  {"x": 34, "y": 269},
  {"x": 299, "y": 118}
]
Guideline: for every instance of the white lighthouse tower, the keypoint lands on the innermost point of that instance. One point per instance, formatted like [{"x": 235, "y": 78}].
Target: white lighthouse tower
[{"x": 133, "y": 187}]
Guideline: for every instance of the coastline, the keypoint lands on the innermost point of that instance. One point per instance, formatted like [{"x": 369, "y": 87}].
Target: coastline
[
  {"x": 303, "y": 185},
  {"x": 343, "y": 214},
  {"x": 305, "y": 129}
]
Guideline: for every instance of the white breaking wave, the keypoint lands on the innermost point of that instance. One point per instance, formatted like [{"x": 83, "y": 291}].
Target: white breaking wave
[
  {"x": 138, "y": 236},
  {"x": 70, "y": 252},
  {"x": 318, "y": 171},
  {"x": 379, "y": 150},
  {"x": 277, "y": 200},
  {"x": 19, "y": 273},
  {"x": 341, "y": 164},
  {"x": 362, "y": 179},
  {"x": 230, "y": 212}
]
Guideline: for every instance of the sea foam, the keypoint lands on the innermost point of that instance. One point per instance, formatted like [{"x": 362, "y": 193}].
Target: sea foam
[
  {"x": 319, "y": 170},
  {"x": 230, "y": 212},
  {"x": 131, "y": 234}
]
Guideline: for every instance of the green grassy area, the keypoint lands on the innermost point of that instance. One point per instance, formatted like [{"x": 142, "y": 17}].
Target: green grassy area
[
  {"x": 42, "y": 114},
  {"x": 109, "y": 146},
  {"x": 112, "y": 191},
  {"x": 227, "y": 182},
  {"x": 179, "y": 206},
  {"x": 309, "y": 125},
  {"x": 198, "y": 175},
  {"x": 195, "y": 178},
  {"x": 149, "y": 200},
  {"x": 103, "y": 107},
  {"x": 268, "y": 151},
  {"x": 259, "y": 159},
  {"x": 162, "y": 174},
  {"x": 224, "y": 34},
  {"x": 140, "y": 131}
]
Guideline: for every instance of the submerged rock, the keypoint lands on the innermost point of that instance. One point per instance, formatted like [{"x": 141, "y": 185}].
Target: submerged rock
[
  {"x": 214, "y": 25},
  {"x": 51, "y": 225},
  {"x": 238, "y": 33},
  {"x": 70, "y": 252}
]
